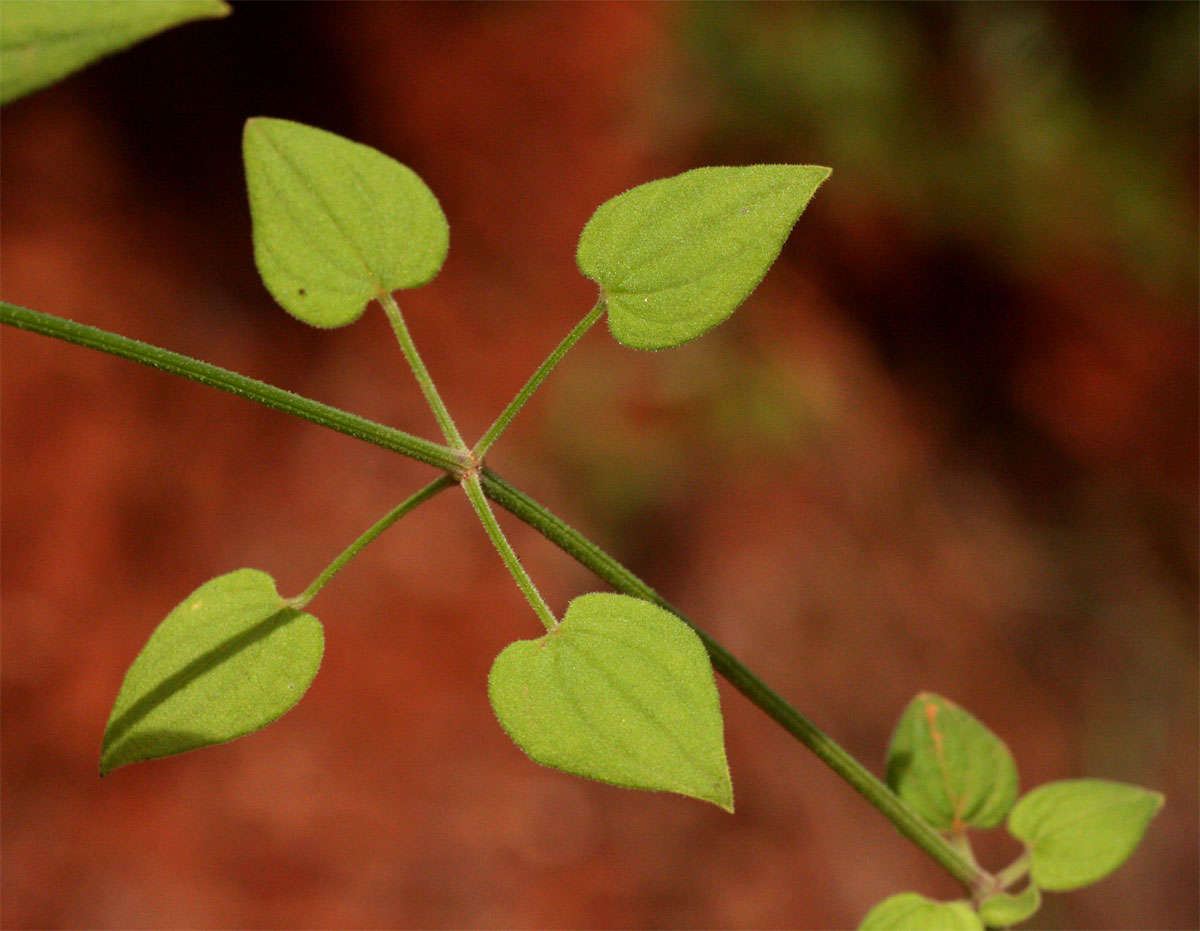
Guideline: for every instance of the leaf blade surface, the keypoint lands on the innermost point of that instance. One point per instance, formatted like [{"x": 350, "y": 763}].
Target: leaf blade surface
[
  {"x": 227, "y": 661},
  {"x": 949, "y": 766},
  {"x": 676, "y": 256},
  {"x": 1005, "y": 909},
  {"x": 336, "y": 222},
  {"x": 42, "y": 42},
  {"x": 1080, "y": 830},
  {"x": 621, "y": 691},
  {"x": 909, "y": 911}
]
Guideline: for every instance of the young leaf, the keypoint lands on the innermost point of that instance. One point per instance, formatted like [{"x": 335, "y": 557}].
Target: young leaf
[
  {"x": 41, "y": 42},
  {"x": 1080, "y": 830},
  {"x": 229, "y": 660},
  {"x": 1003, "y": 910},
  {"x": 675, "y": 257},
  {"x": 621, "y": 691},
  {"x": 949, "y": 767},
  {"x": 336, "y": 223},
  {"x": 909, "y": 911}
]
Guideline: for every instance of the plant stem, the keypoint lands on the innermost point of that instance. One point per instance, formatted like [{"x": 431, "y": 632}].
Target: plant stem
[
  {"x": 906, "y": 820},
  {"x": 408, "y": 504},
  {"x": 414, "y": 447},
  {"x": 962, "y": 843},
  {"x": 471, "y": 486},
  {"x": 514, "y": 406},
  {"x": 428, "y": 388},
  {"x": 1013, "y": 872},
  {"x": 553, "y": 528}
]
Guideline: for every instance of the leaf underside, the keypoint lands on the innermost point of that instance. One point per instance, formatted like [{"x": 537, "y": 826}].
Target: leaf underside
[
  {"x": 42, "y": 42},
  {"x": 336, "y": 223},
  {"x": 622, "y": 692},
  {"x": 946, "y": 764},
  {"x": 675, "y": 257},
  {"x": 1080, "y": 830},
  {"x": 232, "y": 658},
  {"x": 1005, "y": 909},
  {"x": 909, "y": 911}
]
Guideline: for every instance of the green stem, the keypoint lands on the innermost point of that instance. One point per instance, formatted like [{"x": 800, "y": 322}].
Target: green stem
[
  {"x": 1014, "y": 872},
  {"x": 474, "y": 491},
  {"x": 535, "y": 380},
  {"x": 415, "y": 447},
  {"x": 907, "y": 821},
  {"x": 428, "y": 388},
  {"x": 962, "y": 843},
  {"x": 408, "y": 504}
]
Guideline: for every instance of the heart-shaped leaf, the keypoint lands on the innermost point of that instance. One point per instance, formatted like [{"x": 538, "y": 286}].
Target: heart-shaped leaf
[
  {"x": 41, "y": 42},
  {"x": 229, "y": 660},
  {"x": 675, "y": 257},
  {"x": 621, "y": 691},
  {"x": 949, "y": 767},
  {"x": 909, "y": 911},
  {"x": 1080, "y": 830},
  {"x": 336, "y": 223}
]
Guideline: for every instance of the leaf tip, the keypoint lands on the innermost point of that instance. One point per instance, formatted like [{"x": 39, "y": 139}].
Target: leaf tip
[
  {"x": 722, "y": 787},
  {"x": 255, "y": 123},
  {"x": 106, "y": 763}
]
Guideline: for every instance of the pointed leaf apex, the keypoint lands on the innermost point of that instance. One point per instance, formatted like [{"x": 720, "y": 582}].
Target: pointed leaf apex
[
  {"x": 228, "y": 660},
  {"x": 677, "y": 256}
]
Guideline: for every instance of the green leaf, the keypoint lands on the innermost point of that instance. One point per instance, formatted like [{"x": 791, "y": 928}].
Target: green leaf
[
  {"x": 621, "y": 691},
  {"x": 1003, "y": 910},
  {"x": 675, "y": 257},
  {"x": 229, "y": 660},
  {"x": 336, "y": 223},
  {"x": 1080, "y": 830},
  {"x": 911, "y": 912},
  {"x": 41, "y": 41},
  {"x": 949, "y": 767}
]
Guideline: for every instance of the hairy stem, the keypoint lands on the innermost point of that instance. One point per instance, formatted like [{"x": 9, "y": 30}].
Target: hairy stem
[
  {"x": 535, "y": 380},
  {"x": 428, "y": 388},
  {"x": 415, "y": 447},
  {"x": 408, "y": 504},
  {"x": 471, "y": 486},
  {"x": 461, "y": 467}
]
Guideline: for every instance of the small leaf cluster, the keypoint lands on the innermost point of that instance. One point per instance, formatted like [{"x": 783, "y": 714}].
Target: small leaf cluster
[
  {"x": 960, "y": 776},
  {"x": 620, "y": 690}
]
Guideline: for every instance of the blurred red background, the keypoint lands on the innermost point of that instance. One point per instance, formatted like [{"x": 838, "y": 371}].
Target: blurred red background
[{"x": 949, "y": 444}]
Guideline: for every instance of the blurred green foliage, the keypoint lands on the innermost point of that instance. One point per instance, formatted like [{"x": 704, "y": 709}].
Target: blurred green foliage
[{"x": 1044, "y": 131}]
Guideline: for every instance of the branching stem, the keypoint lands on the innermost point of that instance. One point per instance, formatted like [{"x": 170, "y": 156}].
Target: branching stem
[
  {"x": 460, "y": 465},
  {"x": 585, "y": 552},
  {"x": 415, "y": 447}
]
